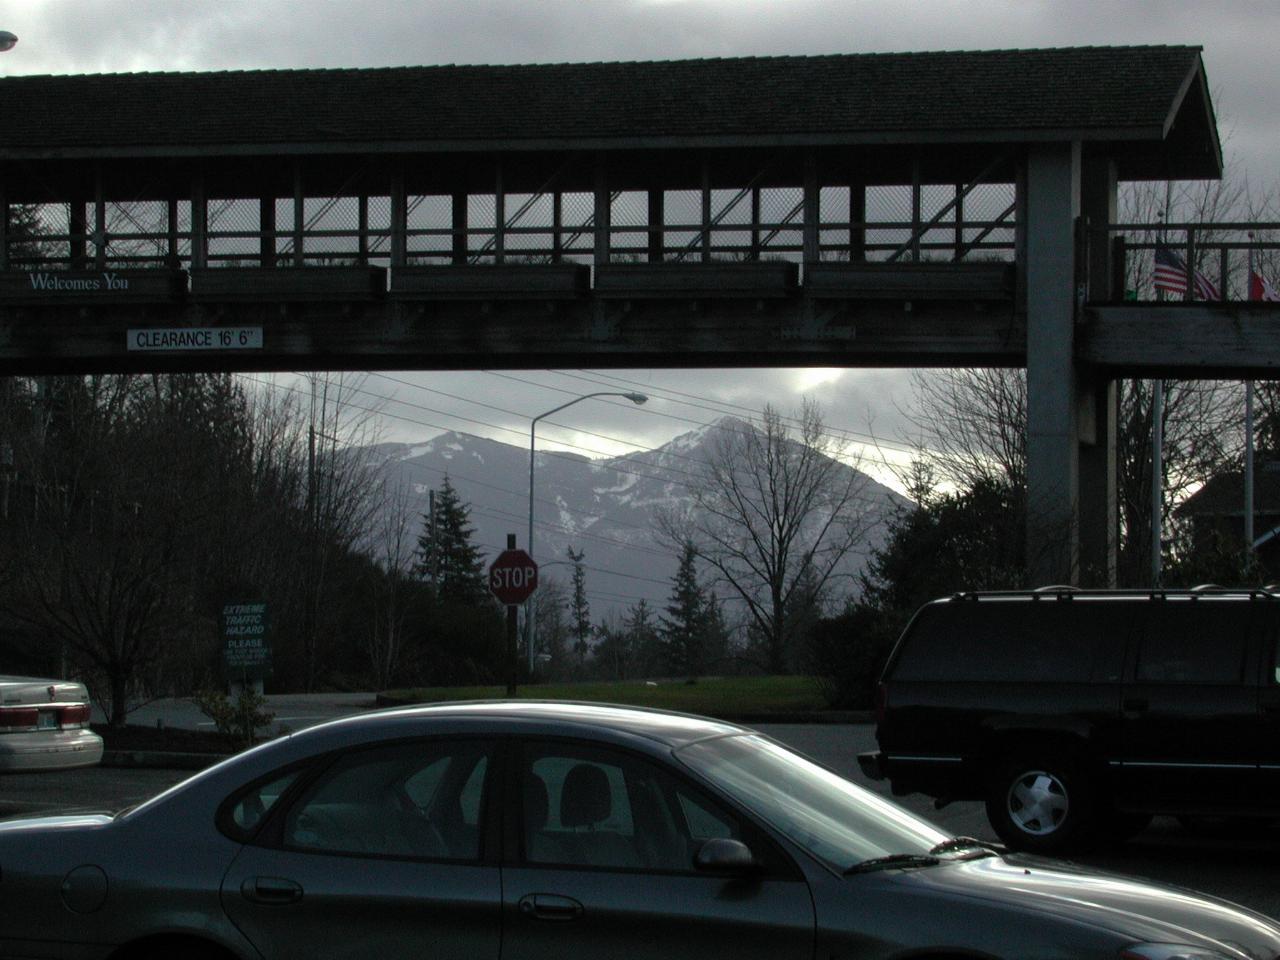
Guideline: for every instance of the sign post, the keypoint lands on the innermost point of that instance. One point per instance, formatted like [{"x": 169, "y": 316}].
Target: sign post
[{"x": 513, "y": 577}]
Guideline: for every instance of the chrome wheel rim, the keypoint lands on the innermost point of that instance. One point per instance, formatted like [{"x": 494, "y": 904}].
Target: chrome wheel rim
[{"x": 1037, "y": 803}]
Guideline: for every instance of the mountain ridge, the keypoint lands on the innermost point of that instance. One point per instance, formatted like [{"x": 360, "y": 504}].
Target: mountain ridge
[{"x": 606, "y": 508}]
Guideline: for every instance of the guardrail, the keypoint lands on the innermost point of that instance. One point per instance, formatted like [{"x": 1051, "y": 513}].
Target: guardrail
[{"x": 1214, "y": 259}]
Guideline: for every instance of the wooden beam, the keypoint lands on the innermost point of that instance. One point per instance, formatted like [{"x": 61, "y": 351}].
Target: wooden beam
[
  {"x": 173, "y": 258},
  {"x": 399, "y": 219},
  {"x": 362, "y": 228},
  {"x": 1182, "y": 339},
  {"x": 267, "y": 224},
  {"x": 383, "y": 334},
  {"x": 657, "y": 217},
  {"x": 557, "y": 227},
  {"x": 99, "y": 220},
  {"x": 812, "y": 210},
  {"x": 857, "y": 217},
  {"x": 499, "y": 214},
  {"x": 199, "y": 222},
  {"x": 459, "y": 225},
  {"x": 299, "y": 216},
  {"x": 704, "y": 214},
  {"x": 916, "y": 207},
  {"x": 603, "y": 211},
  {"x": 4, "y": 227},
  {"x": 78, "y": 228},
  {"x": 755, "y": 223}
]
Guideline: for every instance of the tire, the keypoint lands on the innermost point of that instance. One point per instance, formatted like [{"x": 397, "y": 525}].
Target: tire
[{"x": 1040, "y": 804}]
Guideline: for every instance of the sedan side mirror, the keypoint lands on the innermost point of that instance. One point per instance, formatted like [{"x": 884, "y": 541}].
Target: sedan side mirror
[{"x": 725, "y": 856}]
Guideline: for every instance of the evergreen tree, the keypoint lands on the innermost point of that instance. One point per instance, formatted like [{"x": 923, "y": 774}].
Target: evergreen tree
[
  {"x": 580, "y": 609},
  {"x": 643, "y": 640},
  {"x": 448, "y": 557},
  {"x": 683, "y": 630}
]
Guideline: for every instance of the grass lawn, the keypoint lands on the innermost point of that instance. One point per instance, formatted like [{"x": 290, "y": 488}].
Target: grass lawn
[{"x": 716, "y": 696}]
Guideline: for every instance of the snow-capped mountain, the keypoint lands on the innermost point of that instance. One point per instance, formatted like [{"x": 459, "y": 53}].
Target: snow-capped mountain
[{"x": 606, "y": 508}]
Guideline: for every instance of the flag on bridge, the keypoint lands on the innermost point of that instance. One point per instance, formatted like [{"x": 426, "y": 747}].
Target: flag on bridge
[
  {"x": 1171, "y": 276},
  {"x": 1260, "y": 289}
]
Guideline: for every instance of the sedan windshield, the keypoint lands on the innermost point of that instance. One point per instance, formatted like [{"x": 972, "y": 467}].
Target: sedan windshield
[{"x": 837, "y": 821}]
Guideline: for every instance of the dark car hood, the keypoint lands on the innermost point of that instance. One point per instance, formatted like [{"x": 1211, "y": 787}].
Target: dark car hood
[{"x": 1128, "y": 907}]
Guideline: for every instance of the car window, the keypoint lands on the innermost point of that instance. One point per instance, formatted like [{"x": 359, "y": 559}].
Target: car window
[
  {"x": 1201, "y": 640},
  {"x": 420, "y": 800},
  {"x": 701, "y": 822},
  {"x": 254, "y": 805},
  {"x": 835, "y": 820},
  {"x": 594, "y": 807},
  {"x": 1018, "y": 640}
]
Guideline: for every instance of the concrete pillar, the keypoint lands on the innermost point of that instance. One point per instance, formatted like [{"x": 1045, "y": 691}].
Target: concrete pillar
[
  {"x": 1098, "y": 415},
  {"x": 1099, "y": 508},
  {"x": 1053, "y": 466}
]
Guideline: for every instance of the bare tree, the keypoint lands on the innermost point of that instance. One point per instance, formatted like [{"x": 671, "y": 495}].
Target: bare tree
[
  {"x": 340, "y": 500},
  {"x": 391, "y": 583},
  {"x": 774, "y": 515},
  {"x": 972, "y": 424}
]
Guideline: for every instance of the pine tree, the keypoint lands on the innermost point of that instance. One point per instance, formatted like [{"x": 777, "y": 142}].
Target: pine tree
[
  {"x": 580, "y": 609},
  {"x": 450, "y": 559},
  {"x": 683, "y": 630},
  {"x": 643, "y": 640}
]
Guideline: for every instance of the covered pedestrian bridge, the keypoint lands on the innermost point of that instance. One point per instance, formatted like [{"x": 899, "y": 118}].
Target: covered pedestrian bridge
[{"x": 852, "y": 210}]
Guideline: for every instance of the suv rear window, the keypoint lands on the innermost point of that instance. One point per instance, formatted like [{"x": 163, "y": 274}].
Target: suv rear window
[{"x": 1064, "y": 641}]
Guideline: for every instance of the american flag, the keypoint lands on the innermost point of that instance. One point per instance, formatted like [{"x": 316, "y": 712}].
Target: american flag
[
  {"x": 1259, "y": 289},
  {"x": 1171, "y": 276}
]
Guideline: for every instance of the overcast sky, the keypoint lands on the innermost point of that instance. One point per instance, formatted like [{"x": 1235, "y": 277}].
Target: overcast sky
[{"x": 1240, "y": 41}]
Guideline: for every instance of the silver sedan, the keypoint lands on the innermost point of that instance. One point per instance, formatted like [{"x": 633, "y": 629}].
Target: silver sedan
[{"x": 524, "y": 829}]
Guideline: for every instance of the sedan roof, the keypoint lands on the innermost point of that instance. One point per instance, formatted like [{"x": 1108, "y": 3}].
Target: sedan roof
[{"x": 664, "y": 726}]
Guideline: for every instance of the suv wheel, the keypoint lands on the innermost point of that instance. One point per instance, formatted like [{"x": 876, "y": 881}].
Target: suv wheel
[{"x": 1041, "y": 805}]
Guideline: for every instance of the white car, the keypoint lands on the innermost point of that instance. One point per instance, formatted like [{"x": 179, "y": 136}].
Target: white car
[{"x": 44, "y": 725}]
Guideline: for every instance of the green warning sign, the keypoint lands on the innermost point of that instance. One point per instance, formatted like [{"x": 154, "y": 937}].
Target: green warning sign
[{"x": 246, "y": 637}]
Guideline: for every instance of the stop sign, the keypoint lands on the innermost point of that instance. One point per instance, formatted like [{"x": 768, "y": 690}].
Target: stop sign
[{"x": 512, "y": 577}]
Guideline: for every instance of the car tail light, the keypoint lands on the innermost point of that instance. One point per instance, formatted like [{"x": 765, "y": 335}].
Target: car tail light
[
  {"x": 882, "y": 702},
  {"x": 11, "y": 717},
  {"x": 70, "y": 716}
]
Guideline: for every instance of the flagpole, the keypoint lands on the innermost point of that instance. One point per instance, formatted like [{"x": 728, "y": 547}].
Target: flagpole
[
  {"x": 1157, "y": 432},
  {"x": 1248, "y": 432},
  {"x": 1157, "y": 475}
]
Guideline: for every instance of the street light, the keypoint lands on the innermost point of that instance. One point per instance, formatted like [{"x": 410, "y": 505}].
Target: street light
[
  {"x": 7, "y": 40},
  {"x": 637, "y": 399}
]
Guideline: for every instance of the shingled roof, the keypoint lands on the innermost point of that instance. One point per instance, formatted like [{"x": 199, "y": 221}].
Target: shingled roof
[
  {"x": 1094, "y": 93},
  {"x": 1223, "y": 494}
]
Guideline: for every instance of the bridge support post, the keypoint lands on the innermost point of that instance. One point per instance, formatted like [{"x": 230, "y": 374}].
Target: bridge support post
[
  {"x": 1052, "y": 203},
  {"x": 1099, "y": 413},
  {"x": 4, "y": 229}
]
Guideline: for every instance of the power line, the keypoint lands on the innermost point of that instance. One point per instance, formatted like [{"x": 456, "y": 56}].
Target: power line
[{"x": 543, "y": 524}]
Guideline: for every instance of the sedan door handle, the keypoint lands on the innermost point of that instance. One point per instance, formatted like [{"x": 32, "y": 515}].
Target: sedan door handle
[
  {"x": 271, "y": 890},
  {"x": 550, "y": 906}
]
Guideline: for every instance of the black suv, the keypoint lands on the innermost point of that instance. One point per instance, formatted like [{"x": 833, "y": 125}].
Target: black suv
[{"x": 1079, "y": 714}]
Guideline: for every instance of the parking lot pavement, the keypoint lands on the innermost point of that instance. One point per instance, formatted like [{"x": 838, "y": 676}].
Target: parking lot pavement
[
  {"x": 89, "y": 790},
  {"x": 293, "y": 711}
]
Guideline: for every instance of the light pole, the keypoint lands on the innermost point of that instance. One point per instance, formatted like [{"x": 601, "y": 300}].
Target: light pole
[{"x": 637, "y": 399}]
